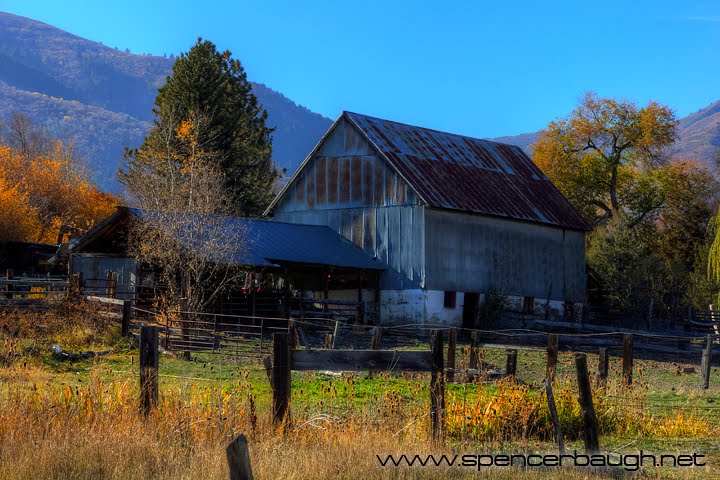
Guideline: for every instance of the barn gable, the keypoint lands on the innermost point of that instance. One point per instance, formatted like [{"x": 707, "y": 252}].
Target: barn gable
[{"x": 343, "y": 171}]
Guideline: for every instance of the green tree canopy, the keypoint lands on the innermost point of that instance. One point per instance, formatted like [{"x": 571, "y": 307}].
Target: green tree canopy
[{"x": 214, "y": 86}]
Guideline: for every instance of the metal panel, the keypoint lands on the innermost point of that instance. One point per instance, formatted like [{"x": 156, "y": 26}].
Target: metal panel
[
  {"x": 467, "y": 174},
  {"x": 95, "y": 267},
  {"x": 473, "y": 253}
]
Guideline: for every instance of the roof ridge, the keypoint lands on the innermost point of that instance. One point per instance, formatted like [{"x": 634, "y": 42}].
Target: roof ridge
[{"x": 431, "y": 129}]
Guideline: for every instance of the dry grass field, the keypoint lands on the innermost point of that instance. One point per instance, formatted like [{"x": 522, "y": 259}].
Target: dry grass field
[{"x": 80, "y": 420}]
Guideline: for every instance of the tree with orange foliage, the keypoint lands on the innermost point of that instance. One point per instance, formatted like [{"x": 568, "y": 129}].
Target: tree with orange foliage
[
  {"x": 44, "y": 190},
  {"x": 603, "y": 156}
]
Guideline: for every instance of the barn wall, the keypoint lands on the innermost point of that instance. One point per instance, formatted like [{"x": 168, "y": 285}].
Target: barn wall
[
  {"x": 95, "y": 267},
  {"x": 474, "y": 253},
  {"x": 349, "y": 188}
]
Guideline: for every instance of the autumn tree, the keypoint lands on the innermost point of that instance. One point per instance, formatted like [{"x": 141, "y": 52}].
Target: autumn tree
[
  {"x": 44, "y": 187},
  {"x": 182, "y": 234},
  {"x": 603, "y": 157},
  {"x": 234, "y": 134}
]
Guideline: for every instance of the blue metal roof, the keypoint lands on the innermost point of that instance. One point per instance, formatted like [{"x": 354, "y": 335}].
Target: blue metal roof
[{"x": 267, "y": 243}]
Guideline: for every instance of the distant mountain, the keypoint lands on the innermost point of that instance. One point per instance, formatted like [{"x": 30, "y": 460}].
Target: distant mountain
[
  {"x": 699, "y": 137},
  {"x": 101, "y": 98}
]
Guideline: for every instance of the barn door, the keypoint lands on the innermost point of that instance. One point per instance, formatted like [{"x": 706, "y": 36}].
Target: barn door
[{"x": 471, "y": 306}]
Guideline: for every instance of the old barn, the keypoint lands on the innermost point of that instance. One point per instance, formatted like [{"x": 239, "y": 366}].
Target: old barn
[{"x": 452, "y": 218}]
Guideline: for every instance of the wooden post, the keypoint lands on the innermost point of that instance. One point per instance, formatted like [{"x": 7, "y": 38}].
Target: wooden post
[
  {"x": 591, "y": 430},
  {"x": 473, "y": 349},
  {"x": 452, "y": 345},
  {"x": 552, "y": 357},
  {"x": 375, "y": 345},
  {"x": 126, "y": 311},
  {"x": 281, "y": 378},
  {"x": 148, "y": 368},
  {"x": 627, "y": 358},
  {"x": 378, "y": 317},
  {"x": 437, "y": 386},
  {"x": 707, "y": 362},
  {"x": 286, "y": 287},
  {"x": 554, "y": 415},
  {"x": 335, "y": 333},
  {"x": 603, "y": 366},
  {"x": 360, "y": 309},
  {"x": 328, "y": 341},
  {"x": 9, "y": 273},
  {"x": 109, "y": 290},
  {"x": 80, "y": 283},
  {"x": 185, "y": 328},
  {"x": 238, "y": 458},
  {"x": 511, "y": 363}
]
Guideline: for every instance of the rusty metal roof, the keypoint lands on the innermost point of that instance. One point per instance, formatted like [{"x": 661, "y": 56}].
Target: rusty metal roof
[{"x": 468, "y": 174}]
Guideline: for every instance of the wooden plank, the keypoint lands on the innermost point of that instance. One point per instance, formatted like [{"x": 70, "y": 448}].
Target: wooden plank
[
  {"x": 452, "y": 345},
  {"x": 591, "y": 430},
  {"x": 148, "y": 368},
  {"x": 511, "y": 363},
  {"x": 437, "y": 386},
  {"x": 707, "y": 362},
  {"x": 238, "y": 458},
  {"x": 361, "y": 360},
  {"x": 552, "y": 356},
  {"x": 281, "y": 378},
  {"x": 473, "y": 350},
  {"x": 114, "y": 301},
  {"x": 627, "y": 362},
  {"x": 603, "y": 366},
  {"x": 554, "y": 416}
]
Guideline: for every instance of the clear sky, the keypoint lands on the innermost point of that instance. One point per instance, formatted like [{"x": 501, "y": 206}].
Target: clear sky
[{"x": 478, "y": 68}]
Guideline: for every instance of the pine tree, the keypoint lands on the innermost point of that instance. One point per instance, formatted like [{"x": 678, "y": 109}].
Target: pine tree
[{"x": 214, "y": 85}]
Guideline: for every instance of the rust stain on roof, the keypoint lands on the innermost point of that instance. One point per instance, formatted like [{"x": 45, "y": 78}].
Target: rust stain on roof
[{"x": 468, "y": 174}]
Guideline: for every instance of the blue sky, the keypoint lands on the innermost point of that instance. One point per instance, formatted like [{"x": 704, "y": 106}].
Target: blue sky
[{"x": 478, "y": 68}]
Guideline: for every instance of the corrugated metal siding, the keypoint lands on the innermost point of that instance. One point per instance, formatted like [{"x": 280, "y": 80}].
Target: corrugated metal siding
[
  {"x": 472, "y": 253},
  {"x": 367, "y": 202},
  {"x": 345, "y": 172},
  {"x": 468, "y": 174}
]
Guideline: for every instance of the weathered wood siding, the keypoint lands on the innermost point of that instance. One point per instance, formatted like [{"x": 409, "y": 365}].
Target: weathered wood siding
[
  {"x": 473, "y": 253},
  {"x": 349, "y": 188}
]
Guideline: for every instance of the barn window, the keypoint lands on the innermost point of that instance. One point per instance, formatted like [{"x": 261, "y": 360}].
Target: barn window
[
  {"x": 449, "y": 300},
  {"x": 528, "y": 304}
]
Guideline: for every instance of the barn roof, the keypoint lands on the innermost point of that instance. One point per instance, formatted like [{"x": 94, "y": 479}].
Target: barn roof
[
  {"x": 468, "y": 174},
  {"x": 264, "y": 243}
]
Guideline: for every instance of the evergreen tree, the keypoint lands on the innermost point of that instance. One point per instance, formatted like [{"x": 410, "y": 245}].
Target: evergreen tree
[{"x": 214, "y": 85}]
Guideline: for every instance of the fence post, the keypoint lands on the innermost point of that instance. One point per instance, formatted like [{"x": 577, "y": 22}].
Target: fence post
[
  {"x": 148, "y": 368},
  {"x": 437, "y": 386},
  {"x": 627, "y": 358},
  {"x": 328, "y": 341},
  {"x": 591, "y": 430},
  {"x": 109, "y": 290},
  {"x": 473, "y": 349},
  {"x": 375, "y": 338},
  {"x": 335, "y": 334},
  {"x": 707, "y": 362},
  {"x": 126, "y": 310},
  {"x": 9, "y": 273},
  {"x": 552, "y": 356},
  {"x": 554, "y": 415},
  {"x": 511, "y": 363},
  {"x": 238, "y": 458},
  {"x": 185, "y": 328},
  {"x": 452, "y": 345},
  {"x": 603, "y": 366},
  {"x": 281, "y": 378}
]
